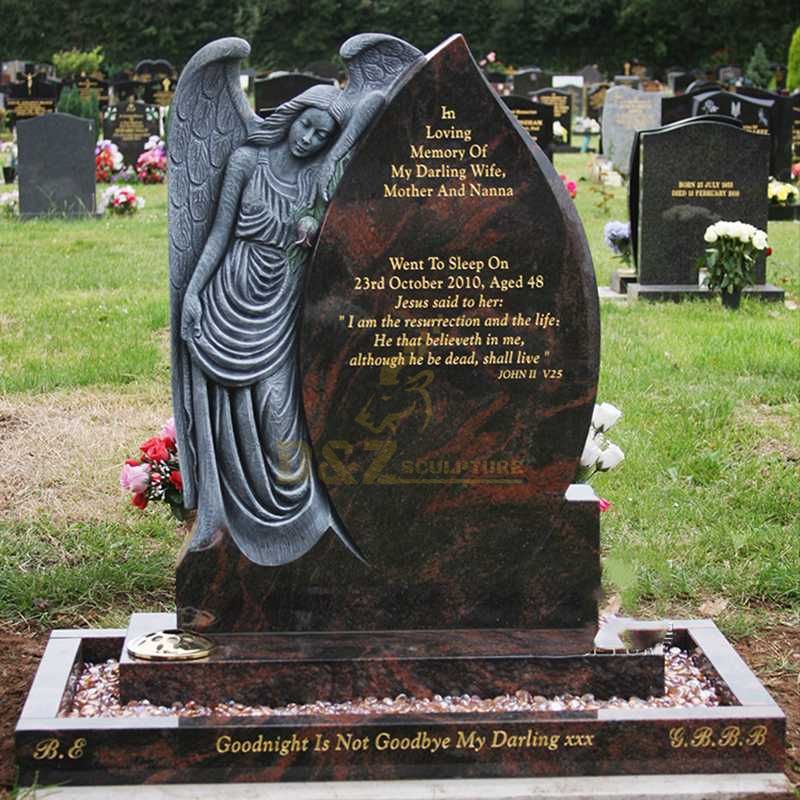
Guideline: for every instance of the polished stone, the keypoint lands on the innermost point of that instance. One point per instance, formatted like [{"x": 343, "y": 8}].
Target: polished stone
[
  {"x": 129, "y": 125},
  {"x": 56, "y": 168},
  {"x": 275, "y": 90}
]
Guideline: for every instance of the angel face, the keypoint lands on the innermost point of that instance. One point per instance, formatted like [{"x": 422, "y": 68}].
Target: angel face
[{"x": 310, "y": 132}]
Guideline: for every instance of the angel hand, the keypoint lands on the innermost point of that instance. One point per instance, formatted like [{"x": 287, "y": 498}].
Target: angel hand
[{"x": 190, "y": 317}]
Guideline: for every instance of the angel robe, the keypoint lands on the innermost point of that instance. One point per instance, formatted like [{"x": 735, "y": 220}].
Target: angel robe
[{"x": 257, "y": 476}]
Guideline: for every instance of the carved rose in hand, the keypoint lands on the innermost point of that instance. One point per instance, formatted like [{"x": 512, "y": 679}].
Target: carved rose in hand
[{"x": 307, "y": 229}]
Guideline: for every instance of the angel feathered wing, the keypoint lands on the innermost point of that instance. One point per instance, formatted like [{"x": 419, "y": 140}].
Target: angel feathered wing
[{"x": 210, "y": 119}]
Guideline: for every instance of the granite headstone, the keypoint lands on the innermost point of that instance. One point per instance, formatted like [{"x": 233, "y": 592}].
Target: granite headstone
[
  {"x": 450, "y": 351},
  {"x": 780, "y": 126},
  {"x": 272, "y": 91},
  {"x": 536, "y": 118},
  {"x": 526, "y": 82},
  {"x": 56, "y": 166},
  {"x": 562, "y": 103},
  {"x": 31, "y": 96},
  {"x": 129, "y": 125},
  {"x": 625, "y": 112},
  {"x": 595, "y": 100},
  {"x": 689, "y": 179}
]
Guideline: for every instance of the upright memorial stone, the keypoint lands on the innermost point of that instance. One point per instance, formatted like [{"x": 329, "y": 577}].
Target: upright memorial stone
[
  {"x": 687, "y": 181},
  {"x": 449, "y": 371},
  {"x": 32, "y": 96},
  {"x": 129, "y": 125},
  {"x": 56, "y": 166},
  {"x": 780, "y": 126},
  {"x": 528, "y": 81},
  {"x": 536, "y": 118},
  {"x": 595, "y": 100},
  {"x": 273, "y": 91},
  {"x": 625, "y": 112},
  {"x": 796, "y": 127},
  {"x": 561, "y": 102}
]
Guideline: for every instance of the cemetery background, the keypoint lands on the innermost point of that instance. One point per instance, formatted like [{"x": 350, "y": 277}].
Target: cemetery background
[{"x": 704, "y": 518}]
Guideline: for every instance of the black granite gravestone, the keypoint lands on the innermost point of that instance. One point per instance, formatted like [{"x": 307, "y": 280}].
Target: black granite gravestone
[
  {"x": 129, "y": 125},
  {"x": 690, "y": 175},
  {"x": 274, "y": 90},
  {"x": 536, "y": 118},
  {"x": 780, "y": 126},
  {"x": 91, "y": 84},
  {"x": 526, "y": 82},
  {"x": 561, "y": 102},
  {"x": 56, "y": 166},
  {"x": 31, "y": 96},
  {"x": 156, "y": 79}
]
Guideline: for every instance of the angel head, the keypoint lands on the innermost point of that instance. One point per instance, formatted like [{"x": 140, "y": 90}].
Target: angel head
[{"x": 308, "y": 122}]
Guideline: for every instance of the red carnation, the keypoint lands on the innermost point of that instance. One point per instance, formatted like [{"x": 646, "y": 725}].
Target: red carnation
[
  {"x": 176, "y": 479},
  {"x": 155, "y": 449},
  {"x": 769, "y": 251},
  {"x": 139, "y": 500}
]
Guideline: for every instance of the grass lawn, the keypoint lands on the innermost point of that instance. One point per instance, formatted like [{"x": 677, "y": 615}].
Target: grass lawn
[{"x": 705, "y": 507}]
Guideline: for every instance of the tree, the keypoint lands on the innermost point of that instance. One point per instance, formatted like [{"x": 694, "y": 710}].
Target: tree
[
  {"x": 758, "y": 70},
  {"x": 793, "y": 63}
]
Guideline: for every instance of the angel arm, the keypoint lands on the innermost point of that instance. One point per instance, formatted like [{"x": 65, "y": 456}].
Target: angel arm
[
  {"x": 366, "y": 110},
  {"x": 240, "y": 167}
]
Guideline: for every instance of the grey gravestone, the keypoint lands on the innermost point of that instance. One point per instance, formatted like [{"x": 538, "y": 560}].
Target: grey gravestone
[
  {"x": 561, "y": 102},
  {"x": 274, "y": 91},
  {"x": 689, "y": 179},
  {"x": 625, "y": 112},
  {"x": 591, "y": 74},
  {"x": 56, "y": 166},
  {"x": 129, "y": 125},
  {"x": 536, "y": 118}
]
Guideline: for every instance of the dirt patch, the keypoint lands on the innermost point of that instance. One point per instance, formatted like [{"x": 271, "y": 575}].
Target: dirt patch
[
  {"x": 19, "y": 658},
  {"x": 774, "y": 654},
  {"x": 62, "y": 451}
]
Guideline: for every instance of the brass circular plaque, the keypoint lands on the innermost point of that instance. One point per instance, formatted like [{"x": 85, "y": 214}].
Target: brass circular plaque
[{"x": 170, "y": 645}]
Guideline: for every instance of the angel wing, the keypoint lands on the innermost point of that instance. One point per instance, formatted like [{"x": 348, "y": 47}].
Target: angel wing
[
  {"x": 210, "y": 119},
  {"x": 375, "y": 62}
]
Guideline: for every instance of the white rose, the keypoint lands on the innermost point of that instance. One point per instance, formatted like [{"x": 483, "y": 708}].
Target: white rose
[
  {"x": 605, "y": 416},
  {"x": 711, "y": 234},
  {"x": 760, "y": 240},
  {"x": 591, "y": 452},
  {"x": 610, "y": 457},
  {"x": 723, "y": 228}
]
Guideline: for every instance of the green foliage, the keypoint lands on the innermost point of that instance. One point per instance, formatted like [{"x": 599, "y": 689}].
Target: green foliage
[
  {"x": 71, "y": 102},
  {"x": 758, "y": 70},
  {"x": 793, "y": 64},
  {"x": 286, "y": 34},
  {"x": 73, "y": 62}
]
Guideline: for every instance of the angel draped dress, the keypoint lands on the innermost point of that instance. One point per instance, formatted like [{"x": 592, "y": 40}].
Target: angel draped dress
[{"x": 257, "y": 477}]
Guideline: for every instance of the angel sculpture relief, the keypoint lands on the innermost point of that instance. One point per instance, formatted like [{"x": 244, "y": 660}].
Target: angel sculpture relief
[{"x": 246, "y": 199}]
